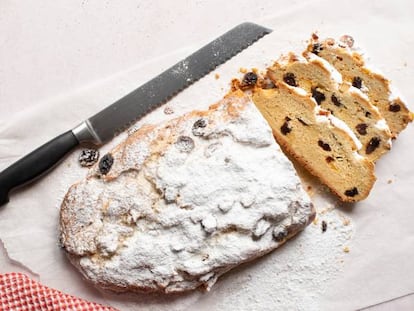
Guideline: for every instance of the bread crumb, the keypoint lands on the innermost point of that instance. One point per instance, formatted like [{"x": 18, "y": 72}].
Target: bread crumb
[
  {"x": 235, "y": 84},
  {"x": 310, "y": 191},
  {"x": 168, "y": 110},
  {"x": 346, "y": 249},
  {"x": 346, "y": 221},
  {"x": 255, "y": 70},
  {"x": 217, "y": 76},
  {"x": 389, "y": 181},
  {"x": 315, "y": 221},
  {"x": 243, "y": 70}
]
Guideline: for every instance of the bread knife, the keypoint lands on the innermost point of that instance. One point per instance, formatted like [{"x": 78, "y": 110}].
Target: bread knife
[{"x": 104, "y": 125}]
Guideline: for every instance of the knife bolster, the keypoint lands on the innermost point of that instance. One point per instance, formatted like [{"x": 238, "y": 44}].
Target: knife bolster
[{"x": 84, "y": 133}]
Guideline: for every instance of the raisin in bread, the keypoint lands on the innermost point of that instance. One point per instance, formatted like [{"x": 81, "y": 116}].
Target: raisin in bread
[
  {"x": 344, "y": 101},
  {"x": 178, "y": 204},
  {"x": 351, "y": 64},
  {"x": 319, "y": 141}
]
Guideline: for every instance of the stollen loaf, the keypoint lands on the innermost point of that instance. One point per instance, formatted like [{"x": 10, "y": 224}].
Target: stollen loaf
[{"x": 178, "y": 204}]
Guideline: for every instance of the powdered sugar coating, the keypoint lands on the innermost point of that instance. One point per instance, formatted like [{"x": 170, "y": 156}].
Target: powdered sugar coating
[
  {"x": 335, "y": 75},
  {"x": 361, "y": 93},
  {"x": 167, "y": 220},
  {"x": 343, "y": 126},
  {"x": 302, "y": 92},
  {"x": 326, "y": 117},
  {"x": 382, "y": 125}
]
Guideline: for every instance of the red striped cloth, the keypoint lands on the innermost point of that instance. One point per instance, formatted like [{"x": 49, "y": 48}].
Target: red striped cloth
[{"x": 20, "y": 293}]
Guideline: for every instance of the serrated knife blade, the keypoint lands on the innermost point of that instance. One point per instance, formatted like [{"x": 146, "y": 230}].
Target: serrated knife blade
[
  {"x": 103, "y": 126},
  {"x": 115, "y": 118}
]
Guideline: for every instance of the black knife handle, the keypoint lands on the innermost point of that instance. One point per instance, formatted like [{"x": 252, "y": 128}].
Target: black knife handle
[{"x": 35, "y": 163}]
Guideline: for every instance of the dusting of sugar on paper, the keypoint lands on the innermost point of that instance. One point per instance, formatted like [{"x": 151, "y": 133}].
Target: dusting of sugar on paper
[{"x": 292, "y": 278}]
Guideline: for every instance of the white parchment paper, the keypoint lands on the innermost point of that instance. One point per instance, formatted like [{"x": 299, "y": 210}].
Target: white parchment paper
[{"x": 314, "y": 271}]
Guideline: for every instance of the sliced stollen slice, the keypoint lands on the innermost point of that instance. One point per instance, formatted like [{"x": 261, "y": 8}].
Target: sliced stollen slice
[
  {"x": 325, "y": 84},
  {"x": 322, "y": 143},
  {"x": 352, "y": 65}
]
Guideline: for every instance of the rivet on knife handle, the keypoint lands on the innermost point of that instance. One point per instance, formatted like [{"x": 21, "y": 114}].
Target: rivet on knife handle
[{"x": 102, "y": 127}]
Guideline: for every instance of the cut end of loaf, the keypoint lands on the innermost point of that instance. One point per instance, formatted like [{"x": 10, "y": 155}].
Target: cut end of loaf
[{"x": 325, "y": 150}]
